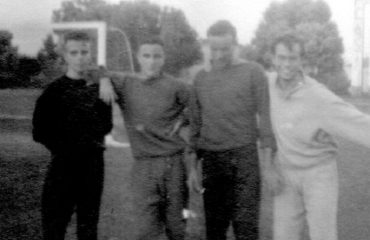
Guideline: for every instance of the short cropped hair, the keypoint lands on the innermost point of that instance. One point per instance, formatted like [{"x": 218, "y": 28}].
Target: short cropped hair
[
  {"x": 77, "y": 36},
  {"x": 288, "y": 40},
  {"x": 152, "y": 40},
  {"x": 73, "y": 36},
  {"x": 222, "y": 28}
]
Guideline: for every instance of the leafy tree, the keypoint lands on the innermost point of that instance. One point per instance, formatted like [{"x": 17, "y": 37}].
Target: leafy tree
[
  {"x": 8, "y": 53},
  {"x": 48, "y": 52},
  {"x": 311, "y": 21},
  {"x": 49, "y": 57},
  {"x": 15, "y": 70},
  {"x": 8, "y": 61},
  {"x": 81, "y": 10},
  {"x": 140, "y": 19},
  {"x": 182, "y": 49},
  {"x": 5, "y": 41},
  {"x": 49, "y": 61}
]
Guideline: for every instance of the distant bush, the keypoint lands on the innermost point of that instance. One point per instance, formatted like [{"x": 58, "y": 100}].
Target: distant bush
[
  {"x": 22, "y": 75},
  {"x": 12, "y": 80},
  {"x": 337, "y": 82}
]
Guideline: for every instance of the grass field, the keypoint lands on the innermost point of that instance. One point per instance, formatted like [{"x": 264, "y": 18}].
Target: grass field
[{"x": 23, "y": 164}]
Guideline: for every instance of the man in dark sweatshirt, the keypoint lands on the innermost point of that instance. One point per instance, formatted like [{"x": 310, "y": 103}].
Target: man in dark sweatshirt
[
  {"x": 228, "y": 97},
  {"x": 71, "y": 121},
  {"x": 153, "y": 104}
]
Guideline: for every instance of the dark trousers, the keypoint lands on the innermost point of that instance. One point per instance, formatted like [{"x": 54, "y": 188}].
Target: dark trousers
[
  {"x": 160, "y": 194},
  {"x": 232, "y": 192},
  {"x": 74, "y": 183}
]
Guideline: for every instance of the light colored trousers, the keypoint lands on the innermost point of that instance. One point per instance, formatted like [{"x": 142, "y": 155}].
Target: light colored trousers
[{"x": 309, "y": 195}]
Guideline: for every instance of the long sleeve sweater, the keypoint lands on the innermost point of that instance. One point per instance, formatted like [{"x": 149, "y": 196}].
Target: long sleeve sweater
[
  {"x": 230, "y": 108},
  {"x": 69, "y": 114},
  {"x": 307, "y": 119},
  {"x": 151, "y": 109}
]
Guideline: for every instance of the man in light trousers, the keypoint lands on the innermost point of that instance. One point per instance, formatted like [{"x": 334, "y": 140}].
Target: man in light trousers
[{"x": 306, "y": 118}]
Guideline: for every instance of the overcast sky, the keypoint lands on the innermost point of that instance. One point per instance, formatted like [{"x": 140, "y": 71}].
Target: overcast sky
[{"x": 30, "y": 20}]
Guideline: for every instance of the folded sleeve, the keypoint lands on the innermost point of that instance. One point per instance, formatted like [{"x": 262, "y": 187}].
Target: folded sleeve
[{"x": 344, "y": 120}]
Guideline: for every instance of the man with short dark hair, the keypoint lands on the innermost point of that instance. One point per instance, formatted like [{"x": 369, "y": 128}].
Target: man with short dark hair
[
  {"x": 228, "y": 98},
  {"x": 306, "y": 118},
  {"x": 153, "y": 105},
  {"x": 71, "y": 121}
]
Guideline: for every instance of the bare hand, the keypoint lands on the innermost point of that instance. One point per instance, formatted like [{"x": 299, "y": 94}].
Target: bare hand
[
  {"x": 93, "y": 73},
  {"x": 194, "y": 183},
  {"x": 194, "y": 175},
  {"x": 176, "y": 128},
  {"x": 273, "y": 180},
  {"x": 106, "y": 91}
]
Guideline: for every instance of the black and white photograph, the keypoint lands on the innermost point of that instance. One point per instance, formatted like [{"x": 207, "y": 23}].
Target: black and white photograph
[{"x": 184, "y": 120}]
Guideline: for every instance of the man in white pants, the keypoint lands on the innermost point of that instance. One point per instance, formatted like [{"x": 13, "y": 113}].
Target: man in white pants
[{"x": 306, "y": 117}]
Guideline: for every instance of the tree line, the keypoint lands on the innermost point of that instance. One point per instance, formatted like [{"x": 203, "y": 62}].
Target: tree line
[{"x": 309, "y": 19}]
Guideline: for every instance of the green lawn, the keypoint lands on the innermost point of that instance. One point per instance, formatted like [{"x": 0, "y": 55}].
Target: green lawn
[
  {"x": 23, "y": 164},
  {"x": 18, "y": 102}
]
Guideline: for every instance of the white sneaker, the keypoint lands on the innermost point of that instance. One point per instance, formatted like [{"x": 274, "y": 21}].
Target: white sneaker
[{"x": 187, "y": 213}]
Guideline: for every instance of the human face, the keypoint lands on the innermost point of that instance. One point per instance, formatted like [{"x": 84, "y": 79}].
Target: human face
[
  {"x": 77, "y": 55},
  {"x": 222, "y": 50},
  {"x": 287, "y": 62},
  {"x": 151, "y": 59}
]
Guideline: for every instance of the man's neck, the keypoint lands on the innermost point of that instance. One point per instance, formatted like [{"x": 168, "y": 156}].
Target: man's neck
[
  {"x": 233, "y": 62},
  {"x": 288, "y": 84},
  {"x": 74, "y": 75},
  {"x": 149, "y": 78}
]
